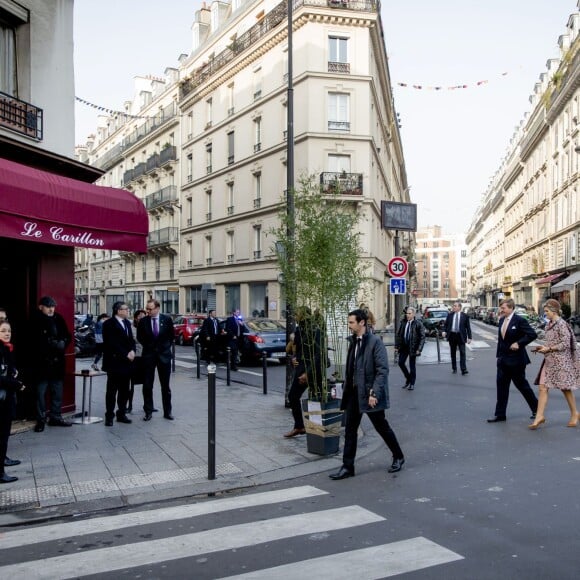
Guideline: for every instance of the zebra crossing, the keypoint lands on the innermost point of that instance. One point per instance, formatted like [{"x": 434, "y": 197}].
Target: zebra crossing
[{"x": 71, "y": 549}]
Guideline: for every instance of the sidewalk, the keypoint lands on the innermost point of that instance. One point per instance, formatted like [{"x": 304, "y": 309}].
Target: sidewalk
[{"x": 92, "y": 467}]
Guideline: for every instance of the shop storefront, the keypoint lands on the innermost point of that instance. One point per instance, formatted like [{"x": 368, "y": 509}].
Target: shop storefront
[{"x": 43, "y": 216}]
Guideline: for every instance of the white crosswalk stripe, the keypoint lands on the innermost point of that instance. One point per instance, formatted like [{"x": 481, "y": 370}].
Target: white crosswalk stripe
[{"x": 367, "y": 563}]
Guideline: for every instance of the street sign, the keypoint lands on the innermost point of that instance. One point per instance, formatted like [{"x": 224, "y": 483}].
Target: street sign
[
  {"x": 398, "y": 267},
  {"x": 398, "y": 286}
]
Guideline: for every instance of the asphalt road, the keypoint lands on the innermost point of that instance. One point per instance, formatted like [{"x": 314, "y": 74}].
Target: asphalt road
[{"x": 474, "y": 501}]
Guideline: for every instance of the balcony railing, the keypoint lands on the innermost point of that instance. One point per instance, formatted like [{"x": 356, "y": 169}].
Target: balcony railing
[
  {"x": 257, "y": 147},
  {"x": 230, "y": 210},
  {"x": 257, "y": 95},
  {"x": 208, "y": 216},
  {"x": 139, "y": 170},
  {"x": 339, "y": 67},
  {"x": 257, "y": 203},
  {"x": 150, "y": 125},
  {"x": 274, "y": 18},
  {"x": 230, "y": 258},
  {"x": 189, "y": 263},
  {"x": 257, "y": 254},
  {"x": 162, "y": 197},
  {"x": 230, "y": 159},
  {"x": 231, "y": 111},
  {"x": 208, "y": 261},
  {"x": 343, "y": 126},
  {"x": 342, "y": 183},
  {"x": 167, "y": 155},
  {"x": 20, "y": 117},
  {"x": 152, "y": 163},
  {"x": 127, "y": 177},
  {"x": 163, "y": 237}
]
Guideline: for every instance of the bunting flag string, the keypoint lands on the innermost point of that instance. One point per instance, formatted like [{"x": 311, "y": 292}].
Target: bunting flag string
[
  {"x": 111, "y": 111},
  {"x": 449, "y": 88}
]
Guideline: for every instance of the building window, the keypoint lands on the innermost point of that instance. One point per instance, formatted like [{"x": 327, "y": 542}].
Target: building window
[
  {"x": 231, "y": 107},
  {"x": 230, "y": 247},
  {"x": 231, "y": 157},
  {"x": 208, "y": 251},
  {"x": 257, "y": 242},
  {"x": 339, "y": 163},
  {"x": 257, "y": 83},
  {"x": 208, "y": 157},
  {"x": 189, "y": 170},
  {"x": 338, "y": 55},
  {"x": 208, "y": 205},
  {"x": 8, "y": 70},
  {"x": 257, "y": 134},
  {"x": 208, "y": 113},
  {"x": 257, "y": 190},
  {"x": 172, "y": 266},
  {"x": 144, "y": 268},
  {"x": 189, "y": 253},
  {"x": 231, "y": 199},
  {"x": 157, "y": 268},
  {"x": 464, "y": 253},
  {"x": 189, "y": 126},
  {"x": 338, "y": 112}
]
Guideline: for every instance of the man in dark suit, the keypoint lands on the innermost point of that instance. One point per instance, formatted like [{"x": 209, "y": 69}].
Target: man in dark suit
[
  {"x": 366, "y": 390},
  {"x": 458, "y": 333},
  {"x": 514, "y": 333},
  {"x": 208, "y": 336},
  {"x": 235, "y": 332},
  {"x": 118, "y": 356},
  {"x": 409, "y": 343},
  {"x": 155, "y": 333}
]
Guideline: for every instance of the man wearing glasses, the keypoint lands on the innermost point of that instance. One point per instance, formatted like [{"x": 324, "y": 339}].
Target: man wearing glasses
[
  {"x": 155, "y": 333},
  {"x": 118, "y": 356}
]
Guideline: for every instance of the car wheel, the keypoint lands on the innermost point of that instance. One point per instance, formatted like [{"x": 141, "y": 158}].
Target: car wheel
[{"x": 180, "y": 340}]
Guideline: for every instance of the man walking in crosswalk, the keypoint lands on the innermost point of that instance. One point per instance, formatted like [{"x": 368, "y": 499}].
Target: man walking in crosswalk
[{"x": 366, "y": 390}]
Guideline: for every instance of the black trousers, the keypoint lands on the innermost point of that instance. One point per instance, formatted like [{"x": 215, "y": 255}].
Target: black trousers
[
  {"x": 517, "y": 374},
  {"x": 294, "y": 398},
  {"x": 411, "y": 374},
  {"x": 117, "y": 392},
  {"x": 455, "y": 342},
  {"x": 6, "y": 414},
  {"x": 381, "y": 425},
  {"x": 164, "y": 372}
]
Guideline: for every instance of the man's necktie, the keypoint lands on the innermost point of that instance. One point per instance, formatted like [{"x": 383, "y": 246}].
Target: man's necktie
[
  {"x": 456, "y": 322},
  {"x": 357, "y": 348},
  {"x": 155, "y": 327},
  {"x": 408, "y": 333},
  {"x": 504, "y": 327},
  {"x": 215, "y": 326}
]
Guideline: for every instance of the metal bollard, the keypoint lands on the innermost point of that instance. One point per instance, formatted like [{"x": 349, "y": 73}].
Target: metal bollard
[
  {"x": 228, "y": 366},
  {"x": 198, "y": 357},
  {"x": 211, "y": 420},
  {"x": 265, "y": 372},
  {"x": 438, "y": 347}
]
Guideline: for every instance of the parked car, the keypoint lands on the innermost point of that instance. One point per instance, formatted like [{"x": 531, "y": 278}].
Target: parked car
[
  {"x": 434, "y": 320},
  {"x": 471, "y": 311},
  {"x": 185, "y": 327},
  {"x": 492, "y": 316},
  {"x": 263, "y": 335},
  {"x": 480, "y": 312}
]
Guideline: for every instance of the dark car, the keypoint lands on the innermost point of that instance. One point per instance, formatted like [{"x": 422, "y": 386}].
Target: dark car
[
  {"x": 434, "y": 320},
  {"x": 492, "y": 316},
  {"x": 186, "y": 326},
  {"x": 263, "y": 335}
]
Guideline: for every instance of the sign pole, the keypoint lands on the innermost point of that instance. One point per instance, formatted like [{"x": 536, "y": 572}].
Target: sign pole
[{"x": 398, "y": 306}]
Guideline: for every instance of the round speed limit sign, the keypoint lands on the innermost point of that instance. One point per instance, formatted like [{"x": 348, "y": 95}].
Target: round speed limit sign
[{"x": 398, "y": 267}]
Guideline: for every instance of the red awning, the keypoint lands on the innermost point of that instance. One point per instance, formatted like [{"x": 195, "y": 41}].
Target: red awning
[
  {"x": 48, "y": 208},
  {"x": 549, "y": 278}
]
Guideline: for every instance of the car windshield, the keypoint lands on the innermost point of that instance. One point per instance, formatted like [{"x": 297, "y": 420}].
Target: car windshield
[
  {"x": 437, "y": 314},
  {"x": 264, "y": 325}
]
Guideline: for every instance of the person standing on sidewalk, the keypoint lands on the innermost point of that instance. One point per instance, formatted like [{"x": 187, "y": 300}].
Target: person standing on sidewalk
[
  {"x": 409, "y": 344},
  {"x": 366, "y": 390},
  {"x": 560, "y": 368},
  {"x": 99, "y": 340},
  {"x": 155, "y": 332},
  {"x": 50, "y": 338},
  {"x": 208, "y": 337},
  {"x": 514, "y": 333},
  {"x": 235, "y": 333},
  {"x": 119, "y": 353},
  {"x": 458, "y": 333}
]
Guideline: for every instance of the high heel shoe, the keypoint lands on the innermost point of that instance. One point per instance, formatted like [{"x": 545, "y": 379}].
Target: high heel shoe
[
  {"x": 572, "y": 423},
  {"x": 536, "y": 424}
]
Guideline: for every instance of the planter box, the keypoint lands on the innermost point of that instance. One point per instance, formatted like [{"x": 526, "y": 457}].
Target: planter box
[{"x": 322, "y": 422}]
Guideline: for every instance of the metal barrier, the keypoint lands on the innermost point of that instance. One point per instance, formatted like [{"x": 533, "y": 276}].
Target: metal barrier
[{"x": 265, "y": 372}]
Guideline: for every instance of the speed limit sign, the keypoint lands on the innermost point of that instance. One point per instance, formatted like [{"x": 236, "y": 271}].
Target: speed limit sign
[{"x": 398, "y": 267}]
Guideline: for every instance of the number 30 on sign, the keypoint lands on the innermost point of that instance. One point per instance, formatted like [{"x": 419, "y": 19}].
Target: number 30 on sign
[{"x": 398, "y": 267}]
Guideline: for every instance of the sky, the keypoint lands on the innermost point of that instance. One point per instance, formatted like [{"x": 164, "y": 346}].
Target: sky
[{"x": 453, "y": 140}]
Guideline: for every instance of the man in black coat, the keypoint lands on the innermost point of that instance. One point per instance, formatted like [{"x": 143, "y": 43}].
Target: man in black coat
[
  {"x": 409, "y": 343},
  {"x": 155, "y": 332},
  {"x": 514, "y": 333},
  {"x": 50, "y": 338},
  {"x": 458, "y": 333},
  {"x": 208, "y": 336},
  {"x": 118, "y": 356},
  {"x": 235, "y": 332}
]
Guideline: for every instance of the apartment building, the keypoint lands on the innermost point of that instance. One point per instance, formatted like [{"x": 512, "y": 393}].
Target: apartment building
[
  {"x": 523, "y": 239},
  {"x": 441, "y": 267},
  {"x": 230, "y": 138}
]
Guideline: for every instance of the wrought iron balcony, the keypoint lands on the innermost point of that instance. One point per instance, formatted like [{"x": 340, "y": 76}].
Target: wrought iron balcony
[
  {"x": 230, "y": 258},
  {"x": 167, "y": 155},
  {"x": 341, "y": 183},
  {"x": 230, "y": 210},
  {"x": 152, "y": 163},
  {"x": 230, "y": 159},
  {"x": 339, "y": 67},
  {"x": 163, "y": 237},
  {"x": 162, "y": 197},
  {"x": 20, "y": 117},
  {"x": 343, "y": 126},
  {"x": 127, "y": 177},
  {"x": 257, "y": 147},
  {"x": 257, "y": 254},
  {"x": 257, "y": 203},
  {"x": 139, "y": 170}
]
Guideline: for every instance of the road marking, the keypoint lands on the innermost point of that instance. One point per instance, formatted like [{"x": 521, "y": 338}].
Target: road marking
[
  {"x": 145, "y": 553},
  {"x": 365, "y": 564},
  {"x": 52, "y": 532}
]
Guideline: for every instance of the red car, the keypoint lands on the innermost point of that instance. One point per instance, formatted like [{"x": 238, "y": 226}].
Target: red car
[{"x": 186, "y": 326}]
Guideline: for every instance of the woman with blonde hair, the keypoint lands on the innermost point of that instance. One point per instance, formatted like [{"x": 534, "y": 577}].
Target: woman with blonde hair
[{"x": 560, "y": 368}]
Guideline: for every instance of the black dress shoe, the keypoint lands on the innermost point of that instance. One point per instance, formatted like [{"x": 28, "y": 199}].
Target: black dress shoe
[
  {"x": 108, "y": 422},
  {"x": 60, "y": 422},
  {"x": 496, "y": 420},
  {"x": 411, "y": 388},
  {"x": 148, "y": 417},
  {"x": 39, "y": 427},
  {"x": 7, "y": 478},
  {"x": 342, "y": 473},
  {"x": 168, "y": 416},
  {"x": 464, "y": 372},
  {"x": 123, "y": 419},
  {"x": 11, "y": 462},
  {"x": 397, "y": 465},
  {"x": 405, "y": 386},
  {"x": 454, "y": 371}
]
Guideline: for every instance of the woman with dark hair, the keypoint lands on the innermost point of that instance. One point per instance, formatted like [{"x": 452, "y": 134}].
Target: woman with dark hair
[
  {"x": 560, "y": 368},
  {"x": 138, "y": 376},
  {"x": 9, "y": 385}
]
